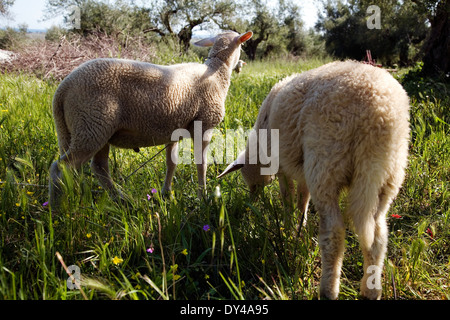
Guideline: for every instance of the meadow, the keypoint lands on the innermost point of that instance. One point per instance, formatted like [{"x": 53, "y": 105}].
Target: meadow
[{"x": 224, "y": 246}]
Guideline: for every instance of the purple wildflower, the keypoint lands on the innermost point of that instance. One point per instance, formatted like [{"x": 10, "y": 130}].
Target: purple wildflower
[
  {"x": 45, "y": 204},
  {"x": 154, "y": 191},
  {"x": 150, "y": 250},
  {"x": 206, "y": 227}
]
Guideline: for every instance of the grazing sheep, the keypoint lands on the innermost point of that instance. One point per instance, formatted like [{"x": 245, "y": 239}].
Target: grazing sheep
[
  {"x": 239, "y": 66},
  {"x": 131, "y": 104},
  {"x": 344, "y": 125}
]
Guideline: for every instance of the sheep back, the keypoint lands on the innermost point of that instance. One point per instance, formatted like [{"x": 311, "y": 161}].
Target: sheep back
[
  {"x": 345, "y": 112},
  {"x": 137, "y": 104}
]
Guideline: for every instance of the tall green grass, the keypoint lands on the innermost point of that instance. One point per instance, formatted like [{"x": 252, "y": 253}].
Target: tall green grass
[{"x": 220, "y": 247}]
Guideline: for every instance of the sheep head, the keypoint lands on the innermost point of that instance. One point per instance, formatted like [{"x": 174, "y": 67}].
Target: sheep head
[
  {"x": 250, "y": 172},
  {"x": 225, "y": 46},
  {"x": 239, "y": 66}
]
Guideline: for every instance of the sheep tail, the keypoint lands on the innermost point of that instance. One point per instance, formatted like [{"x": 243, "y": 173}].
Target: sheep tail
[
  {"x": 374, "y": 186},
  {"x": 363, "y": 204},
  {"x": 379, "y": 171},
  {"x": 62, "y": 130}
]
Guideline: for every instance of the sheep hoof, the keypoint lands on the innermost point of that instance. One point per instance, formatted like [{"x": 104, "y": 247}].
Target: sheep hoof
[
  {"x": 124, "y": 202},
  {"x": 55, "y": 188},
  {"x": 166, "y": 193},
  {"x": 370, "y": 294},
  {"x": 329, "y": 295},
  {"x": 119, "y": 197},
  {"x": 202, "y": 193}
]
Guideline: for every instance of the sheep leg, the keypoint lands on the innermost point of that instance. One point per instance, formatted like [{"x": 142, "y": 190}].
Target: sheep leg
[
  {"x": 201, "y": 169},
  {"x": 370, "y": 225},
  {"x": 171, "y": 163},
  {"x": 374, "y": 260},
  {"x": 331, "y": 243},
  {"x": 303, "y": 197},
  {"x": 287, "y": 190},
  {"x": 100, "y": 167},
  {"x": 321, "y": 177},
  {"x": 55, "y": 188}
]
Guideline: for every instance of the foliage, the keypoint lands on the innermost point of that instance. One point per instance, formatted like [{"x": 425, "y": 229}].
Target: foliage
[
  {"x": 402, "y": 29},
  {"x": 179, "y": 17},
  {"x": 277, "y": 30},
  {"x": 4, "y": 6},
  {"x": 118, "y": 19},
  {"x": 11, "y": 38},
  {"x": 410, "y": 30},
  {"x": 275, "y": 27},
  {"x": 437, "y": 47},
  {"x": 167, "y": 19}
]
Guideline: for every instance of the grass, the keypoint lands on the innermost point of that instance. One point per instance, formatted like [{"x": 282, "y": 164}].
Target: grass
[{"x": 225, "y": 247}]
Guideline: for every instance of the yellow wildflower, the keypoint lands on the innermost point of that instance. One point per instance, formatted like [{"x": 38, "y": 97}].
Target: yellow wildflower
[
  {"x": 88, "y": 235},
  {"x": 117, "y": 260},
  {"x": 185, "y": 252}
]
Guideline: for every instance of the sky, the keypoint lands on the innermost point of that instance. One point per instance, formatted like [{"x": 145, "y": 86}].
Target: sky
[{"x": 31, "y": 12}]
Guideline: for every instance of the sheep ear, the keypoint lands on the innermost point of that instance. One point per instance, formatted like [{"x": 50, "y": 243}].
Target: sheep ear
[
  {"x": 208, "y": 42},
  {"x": 236, "y": 165},
  {"x": 245, "y": 36}
]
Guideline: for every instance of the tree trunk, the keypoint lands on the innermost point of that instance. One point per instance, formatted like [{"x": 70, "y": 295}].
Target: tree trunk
[
  {"x": 184, "y": 37},
  {"x": 437, "y": 47},
  {"x": 251, "y": 45},
  {"x": 250, "y": 49}
]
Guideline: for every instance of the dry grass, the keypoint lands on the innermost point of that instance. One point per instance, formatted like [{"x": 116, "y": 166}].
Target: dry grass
[{"x": 53, "y": 60}]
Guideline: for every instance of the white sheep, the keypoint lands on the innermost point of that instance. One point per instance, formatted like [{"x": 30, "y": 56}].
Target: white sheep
[
  {"x": 344, "y": 125},
  {"x": 239, "y": 66},
  {"x": 132, "y": 104}
]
